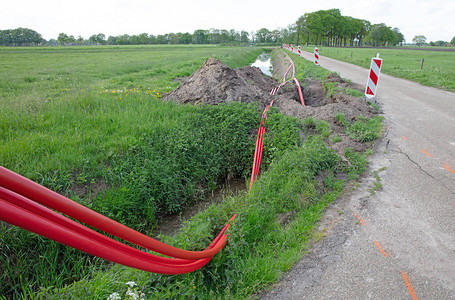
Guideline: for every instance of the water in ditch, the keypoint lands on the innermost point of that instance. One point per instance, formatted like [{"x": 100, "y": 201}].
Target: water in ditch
[{"x": 264, "y": 62}]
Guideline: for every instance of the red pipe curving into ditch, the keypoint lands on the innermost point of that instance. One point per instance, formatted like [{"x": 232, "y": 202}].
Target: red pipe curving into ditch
[{"x": 259, "y": 139}]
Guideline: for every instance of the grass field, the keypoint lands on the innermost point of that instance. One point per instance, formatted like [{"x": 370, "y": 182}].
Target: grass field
[
  {"x": 438, "y": 69},
  {"x": 88, "y": 122}
]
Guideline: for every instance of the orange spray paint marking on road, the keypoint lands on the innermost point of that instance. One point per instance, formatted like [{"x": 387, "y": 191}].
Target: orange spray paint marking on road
[
  {"x": 380, "y": 248},
  {"x": 404, "y": 138},
  {"x": 360, "y": 220},
  {"x": 426, "y": 153},
  {"x": 409, "y": 286},
  {"x": 446, "y": 166}
]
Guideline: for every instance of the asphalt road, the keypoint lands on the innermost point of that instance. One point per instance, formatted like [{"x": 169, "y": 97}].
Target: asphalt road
[{"x": 398, "y": 241}]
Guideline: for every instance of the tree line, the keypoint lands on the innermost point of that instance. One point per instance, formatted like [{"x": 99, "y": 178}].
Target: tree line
[
  {"x": 320, "y": 28},
  {"x": 212, "y": 36}
]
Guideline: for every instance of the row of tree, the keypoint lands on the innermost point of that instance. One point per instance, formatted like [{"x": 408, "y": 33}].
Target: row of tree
[
  {"x": 330, "y": 28},
  {"x": 212, "y": 36},
  {"x": 323, "y": 27}
]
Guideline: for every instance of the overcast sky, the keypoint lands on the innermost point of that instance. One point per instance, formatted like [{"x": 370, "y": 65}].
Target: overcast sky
[{"x": 434, "y": 19}]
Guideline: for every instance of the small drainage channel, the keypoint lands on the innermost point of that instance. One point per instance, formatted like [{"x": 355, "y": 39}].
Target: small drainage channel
[{"x": 264, "y": 62}]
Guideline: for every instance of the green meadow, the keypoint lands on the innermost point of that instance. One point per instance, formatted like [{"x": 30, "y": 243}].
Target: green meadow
[
  {"x": 89, "y": 123},
  {"x": 438, "y": 69}
]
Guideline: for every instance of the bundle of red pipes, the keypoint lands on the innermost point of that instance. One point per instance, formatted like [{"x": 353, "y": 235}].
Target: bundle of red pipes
[
  {"x": 260, "y": 136},
  {"x": 28, "y": 205}
]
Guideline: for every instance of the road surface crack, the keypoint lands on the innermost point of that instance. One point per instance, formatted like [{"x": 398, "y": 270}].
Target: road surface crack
[
  {"x": 414, "y": 162},
  {"x": 417, "y": 164}
]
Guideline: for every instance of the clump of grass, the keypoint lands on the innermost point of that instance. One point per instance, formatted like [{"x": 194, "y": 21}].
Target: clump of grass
[
  {"x": 363, "y": 129},
  {"x": 282, "y": 134},
  {"x": 331, "y": 88},
  {"x": 336, "y": 139},
  {"x": 323, "y": 128},
  {"x": 354, "y": 92},
  {"x": 318, "y": 126},
  {"x": 374, "y": 105}
]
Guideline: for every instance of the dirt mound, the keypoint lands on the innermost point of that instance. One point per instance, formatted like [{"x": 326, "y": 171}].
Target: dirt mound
[{"x": 214, "y": 82}]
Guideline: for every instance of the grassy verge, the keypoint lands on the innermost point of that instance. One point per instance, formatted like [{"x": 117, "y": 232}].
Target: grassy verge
[
  {"x": 129, "y": 150},
  {"x": 275, "y": 220},
  {"x": 438, "y": 69},
  {"x": 88, "y": 123}
]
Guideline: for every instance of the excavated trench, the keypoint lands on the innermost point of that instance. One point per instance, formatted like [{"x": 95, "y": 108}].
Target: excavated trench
[{"x": 214, "y": 83}]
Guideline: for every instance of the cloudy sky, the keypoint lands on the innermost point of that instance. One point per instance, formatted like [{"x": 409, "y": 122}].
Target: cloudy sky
[{"x": 434, "y": 19}]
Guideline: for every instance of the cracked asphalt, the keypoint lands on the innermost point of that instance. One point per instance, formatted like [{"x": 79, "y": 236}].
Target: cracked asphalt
[{"x": 398, "y": 241}]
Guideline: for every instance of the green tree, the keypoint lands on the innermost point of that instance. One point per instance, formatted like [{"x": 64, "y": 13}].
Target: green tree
[
  {"x": 263, "y": 35},
  {"x": 419, "y": 40},
  {"x": 452, "y": 42},
  {"x": 381, "y": 35},
  {"x": 224, "y": 36},
  {"x": 62, "y": 38},
  {"x": 399, "y": 37},
  {"x": 187, "y": 38},
  {"x": 98, "y": 39},
  {"x": 314, "y": 21},
  {"x": 244, "y": 37},
  {"x": 6, "y": 38},
  {"x": 199, "y": 36}
]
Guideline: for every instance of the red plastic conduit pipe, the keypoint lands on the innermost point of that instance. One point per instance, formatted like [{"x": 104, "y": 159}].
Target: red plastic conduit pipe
[
  {"x": 18, "y": 208},
  {"x": 260, "y": 139}
]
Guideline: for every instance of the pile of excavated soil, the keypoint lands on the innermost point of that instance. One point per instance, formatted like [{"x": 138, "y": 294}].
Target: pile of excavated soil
[
  {"x": 214, "y": 83},
  {"x": 321, "y": 106}
]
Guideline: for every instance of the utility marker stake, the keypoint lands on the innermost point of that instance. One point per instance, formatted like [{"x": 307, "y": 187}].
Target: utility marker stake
[
  {"x": 373, "y": 77},
  {"x": 316, "y": 56}
]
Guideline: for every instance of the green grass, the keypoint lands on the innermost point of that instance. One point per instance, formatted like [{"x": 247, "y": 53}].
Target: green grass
[
  {"x": 88, "y": 123},
  {"x": 261, "y": 246},
  {"x": 363, "y": 129},
  {"x": 438, "y": 69}
]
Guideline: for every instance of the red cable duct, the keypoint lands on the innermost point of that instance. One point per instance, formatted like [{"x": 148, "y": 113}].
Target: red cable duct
[
  {"x": 260, "y": 139},
  {"x": 42, "y": 195},
  {"x": 18, "y": 207}
]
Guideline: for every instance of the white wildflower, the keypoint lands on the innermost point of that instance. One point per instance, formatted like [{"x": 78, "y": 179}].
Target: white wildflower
[
  {"x": 132, "y": 295},
  {"x": 131, "y": 284},
  {"x": 114, "y": 296}
]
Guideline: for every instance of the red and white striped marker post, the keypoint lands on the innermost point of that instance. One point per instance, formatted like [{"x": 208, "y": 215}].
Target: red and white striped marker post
[
  {"x": 316, "y": 56},
  {"x": 300, "y": 52},
  {"x": 292, "y": 48},
  {"x": 373, "y": 77}
]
